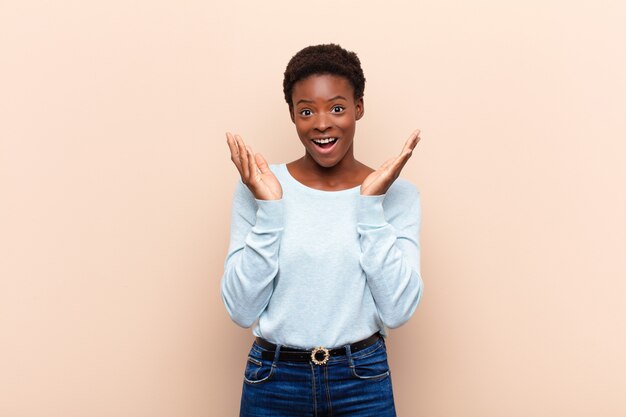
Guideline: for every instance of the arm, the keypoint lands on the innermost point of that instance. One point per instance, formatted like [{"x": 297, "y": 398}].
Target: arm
[
  {"x": 256, "y": 229},
  {"x": 390, "y": 252},
  {"x": 252, "y": 261}
]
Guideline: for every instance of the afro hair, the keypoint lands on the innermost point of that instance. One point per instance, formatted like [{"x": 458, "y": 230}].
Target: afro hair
[{"x": 324, "y": 59}]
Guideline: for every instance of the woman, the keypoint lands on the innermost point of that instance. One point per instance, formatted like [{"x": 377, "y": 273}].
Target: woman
[{"x": 324, "y": 254}]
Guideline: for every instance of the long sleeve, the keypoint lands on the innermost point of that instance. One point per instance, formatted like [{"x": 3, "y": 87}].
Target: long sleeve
[
  {"x": 252, "y": 261},
  {"x": 388, "y": 227}
]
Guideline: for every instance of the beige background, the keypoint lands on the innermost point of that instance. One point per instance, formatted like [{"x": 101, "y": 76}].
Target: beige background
[{"x": 115, "y": 188}]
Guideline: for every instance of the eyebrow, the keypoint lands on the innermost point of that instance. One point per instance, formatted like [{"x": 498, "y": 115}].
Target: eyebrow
[{"x": 311, "y": 101}]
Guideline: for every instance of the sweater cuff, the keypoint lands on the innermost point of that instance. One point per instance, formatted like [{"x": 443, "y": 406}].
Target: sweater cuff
[
  {"x": 270, "y": 215},
  {"x": 370, "y": 210}
]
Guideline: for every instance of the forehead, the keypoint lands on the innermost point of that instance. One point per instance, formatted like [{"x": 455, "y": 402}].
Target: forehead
[{"x": 322, "y": 87}]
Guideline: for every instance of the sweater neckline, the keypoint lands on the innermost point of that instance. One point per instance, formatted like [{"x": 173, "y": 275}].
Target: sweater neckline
[{"x": 298, "y": 184}]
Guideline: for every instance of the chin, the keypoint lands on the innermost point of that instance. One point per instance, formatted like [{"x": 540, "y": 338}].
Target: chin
[{"x": 325, "y": 163}]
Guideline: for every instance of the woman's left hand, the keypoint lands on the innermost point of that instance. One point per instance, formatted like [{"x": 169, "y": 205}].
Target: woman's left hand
[{"x": 379, "y": 181}]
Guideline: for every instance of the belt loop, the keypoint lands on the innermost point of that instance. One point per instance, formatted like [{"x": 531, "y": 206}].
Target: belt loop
[
  {"x": 276, "y": 356},
  {"x": 349, "y": 356}
]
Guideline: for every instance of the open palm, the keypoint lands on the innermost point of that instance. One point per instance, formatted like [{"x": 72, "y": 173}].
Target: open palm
[
  {"x": 379, "y": 181},
  {"x": 254, "y": 171}
]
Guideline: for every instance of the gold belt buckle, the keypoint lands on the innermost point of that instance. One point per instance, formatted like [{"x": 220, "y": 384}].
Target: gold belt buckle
[{"x": 317, "y": 351}]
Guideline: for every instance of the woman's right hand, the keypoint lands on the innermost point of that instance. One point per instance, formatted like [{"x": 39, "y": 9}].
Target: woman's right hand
[{"x": 255, "y": 173}]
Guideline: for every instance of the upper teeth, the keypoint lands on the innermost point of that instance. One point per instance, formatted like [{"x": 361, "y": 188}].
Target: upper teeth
[{"x": 325, "y": 140}]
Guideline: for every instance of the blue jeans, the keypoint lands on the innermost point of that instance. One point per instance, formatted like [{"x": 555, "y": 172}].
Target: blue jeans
[{"x": 356, "y": 385}]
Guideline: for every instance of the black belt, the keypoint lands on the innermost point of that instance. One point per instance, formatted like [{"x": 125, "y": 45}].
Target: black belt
[{"x": 318, "y": 356}]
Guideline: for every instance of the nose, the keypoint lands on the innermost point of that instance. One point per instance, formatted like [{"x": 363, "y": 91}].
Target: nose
[{"x": 322, "y": 122}]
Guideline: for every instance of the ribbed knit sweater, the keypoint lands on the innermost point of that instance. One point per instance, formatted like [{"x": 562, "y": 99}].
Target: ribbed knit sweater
[{"x": 323, "y": 268}]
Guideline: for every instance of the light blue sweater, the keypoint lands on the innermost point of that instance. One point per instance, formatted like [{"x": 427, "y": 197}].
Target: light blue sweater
[{"x": 323, "y": 268}]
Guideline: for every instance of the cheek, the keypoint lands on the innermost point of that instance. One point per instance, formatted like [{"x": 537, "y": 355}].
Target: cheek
[
  {"x": 302, "y": 127},
  {"x": 347, "y": 125}
]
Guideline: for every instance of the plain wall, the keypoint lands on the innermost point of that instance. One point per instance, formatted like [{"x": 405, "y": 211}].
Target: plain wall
[{"x": 116, "y": 185}]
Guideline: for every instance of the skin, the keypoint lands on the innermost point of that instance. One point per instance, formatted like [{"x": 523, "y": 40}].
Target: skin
[{"x": 323, "y": 106}]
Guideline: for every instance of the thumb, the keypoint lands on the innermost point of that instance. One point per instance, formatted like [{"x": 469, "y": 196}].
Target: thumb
[{"x": 262, "y": 164}]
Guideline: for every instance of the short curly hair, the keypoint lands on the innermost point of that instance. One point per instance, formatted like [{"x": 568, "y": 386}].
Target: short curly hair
[{"x": 324, "y": 59}]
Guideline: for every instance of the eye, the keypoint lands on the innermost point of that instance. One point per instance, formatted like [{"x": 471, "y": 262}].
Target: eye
[
  {"x": 305, "y": 112},
  {"x": 337, "y": 109}
]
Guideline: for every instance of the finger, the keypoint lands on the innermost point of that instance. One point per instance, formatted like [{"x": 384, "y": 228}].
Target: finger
[
  {"x": 241, "y": 145},
  {"x": 252, "y": 167},
  {"x": 400, "y": 162},
  {"x": 411, "y": 142},
  {"x": 406, "y": 153},
  {"x": 232, "y": 145},
  {"x": 417, "y": 133},
  {"x": 409, "y": 146},
  {"x": 234, "y": 151},
  {"x": 231, "y": 142},
  {"x": 243, "y": 158},
  {"x": 262, "y": 164}
]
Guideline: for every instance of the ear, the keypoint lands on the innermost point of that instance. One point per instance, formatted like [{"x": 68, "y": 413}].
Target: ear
[
  {"x": 293, "y": 120},
  {"x": 360, "y": 108}
]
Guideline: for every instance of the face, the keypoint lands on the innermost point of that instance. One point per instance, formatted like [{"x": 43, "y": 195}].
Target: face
[{"x": 325, "y": 114}]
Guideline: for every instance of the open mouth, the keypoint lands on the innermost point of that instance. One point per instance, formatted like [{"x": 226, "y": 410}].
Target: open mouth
[{"x": 325, "y": 142}]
